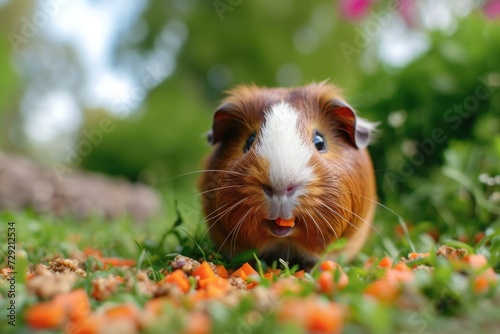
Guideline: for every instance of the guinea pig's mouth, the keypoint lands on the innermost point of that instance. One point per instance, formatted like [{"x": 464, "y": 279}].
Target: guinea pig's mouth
[{"x": 277, "y": 230}]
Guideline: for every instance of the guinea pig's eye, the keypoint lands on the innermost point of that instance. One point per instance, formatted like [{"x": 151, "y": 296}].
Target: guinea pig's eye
[
  {"x": 249, "y": 143},
  {"x": 319, "y": 141}
]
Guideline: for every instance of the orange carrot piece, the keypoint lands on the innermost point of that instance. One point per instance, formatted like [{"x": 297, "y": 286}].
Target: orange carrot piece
[
  {"x": 413, "y": 255},
  {"x": 90, "y": 325},
  {"x": 214, "y": 281},
  {"x": 92, "y": 252},
  {"x": 481, "y": 284},
  {"x": 285, "y": 222},
  {"x": 76, "y": 303},
  {"x": 383, "y": 290},
  {"x": 244, "y": 271},
  {"x": 116, "y": 262},
  {"x": 332, "y": 267},
  {"x": 386, "y": 262},
  {"x": 46, "y": 315},
  {"x": 476, "y": 261},
  {"x": 299, "y": 274},
  {"x": 198, "y": 323},
  {"x": 325, "y": 282},
  {"x": 222, "y": 271},
  {"x": 248, "y": 269},
  {"x": 327, "y": 318},
  {"x": 402, "y": 267},
  {"x": 329, "y": 265},
  {"x": 157, "y": 305},
  {"x": 179, "y": 278},
  {"x": 128, "y": 311},
  {"x": 204, "y": 271}
]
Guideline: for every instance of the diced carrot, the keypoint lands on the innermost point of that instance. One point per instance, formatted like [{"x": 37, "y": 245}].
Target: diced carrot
[
  {"x": 116, "y": 262},
  {"x": 198, "y": 323},
  {"x": 413, "y": 255},
  {"x": 204, "y": 271},
  {"x": 240, "y": 273},
  {"x": 179, "y": 278},
  {"x": 244, "y": 271},
  {"x": 329, "y": 265},
  {"x": 157, "y": 305},
  {"x": 215, "y": 291},
  {"x": 399, "y": 276},
  {"x": 325, "y": 282},
  {"x": 222, "y": 271},
  {"x": 128, "y": 311},
  {"x": 92, "y": 252},
  {"x": 251, "y": 285},
  {"x": 484, "y": 281},
  {"x": 214, "y": 281},
  {"x": 481, "y": 284},
  {"x": 476, "y": 261},
  {"x": 46, "y": 315},
  {"x": 332, "y": 267},
  {"x": 285, "y": 222},
  {"x": 383, "y": 290},
  {"x": 248, "y": 269},
  {"x": 89, "y": 325},
  {"x": 76, "y": 304},
  {"x": 299, "y": 274},
  {"x": 402, "y": 267},
  {"x": 270, "y": 276},
  {"x": 313, "y": 314},
  {"x": 386, "y": 262},
  {"x": 325, "y": 318}
]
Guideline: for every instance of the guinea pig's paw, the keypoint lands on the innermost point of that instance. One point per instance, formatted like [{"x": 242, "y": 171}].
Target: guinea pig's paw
[{"x": 280, "y": 227}]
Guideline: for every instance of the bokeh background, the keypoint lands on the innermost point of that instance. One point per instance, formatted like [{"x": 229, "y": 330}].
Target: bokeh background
[{"x": 148, "y": 75}]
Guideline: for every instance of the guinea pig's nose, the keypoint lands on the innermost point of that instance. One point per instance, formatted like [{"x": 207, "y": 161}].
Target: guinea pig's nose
[{"x": 273, "y": 191}]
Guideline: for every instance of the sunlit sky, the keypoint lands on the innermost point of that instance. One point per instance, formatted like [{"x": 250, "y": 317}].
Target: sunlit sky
[{"x": 91, "y": 28}]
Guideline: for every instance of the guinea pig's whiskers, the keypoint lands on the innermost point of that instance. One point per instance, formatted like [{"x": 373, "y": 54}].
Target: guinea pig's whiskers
[
  {"x": 201, "y": 171},
  {"x": 400, "y": 218},
  {"x": 232, "y": 232},
  {"x": 317, "y": 226},
  {"x": 329, "y": 208},
  {"x": 219, "y": 216},
  {"x": 363, "y": 220},
  {"x": 307, "y": 225},
  {"x": 327, "y": 222},
  {"x": 234, "y": 238}
]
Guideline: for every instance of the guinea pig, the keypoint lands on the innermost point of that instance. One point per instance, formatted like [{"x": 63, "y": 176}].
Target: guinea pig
[{"x": 289, "y": 174}]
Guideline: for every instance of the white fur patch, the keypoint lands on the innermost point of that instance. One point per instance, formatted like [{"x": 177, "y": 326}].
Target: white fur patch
[{"x": 287, "y": 151}]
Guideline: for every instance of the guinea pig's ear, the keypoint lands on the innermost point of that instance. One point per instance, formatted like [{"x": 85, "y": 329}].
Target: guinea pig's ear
[
  {"x": 360, "y": 131},
  {"x": 223, "y": 123}
]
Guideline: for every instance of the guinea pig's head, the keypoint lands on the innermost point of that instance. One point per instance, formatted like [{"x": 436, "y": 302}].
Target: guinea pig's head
[{"x": 292, "y": 155}]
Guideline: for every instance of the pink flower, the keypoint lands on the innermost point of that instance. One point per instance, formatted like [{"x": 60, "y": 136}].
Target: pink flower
[
  {"x": 354, "y": 9},
  {"x": 492, "y": 9},
  {"x": 407, "y": 11}
]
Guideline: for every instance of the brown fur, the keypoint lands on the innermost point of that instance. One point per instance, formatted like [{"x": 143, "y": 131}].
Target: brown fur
[{"x": 339, "y": 203}]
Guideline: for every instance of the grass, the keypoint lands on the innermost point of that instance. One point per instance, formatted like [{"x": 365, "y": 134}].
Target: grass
[{"x": 440, "y": 300}]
